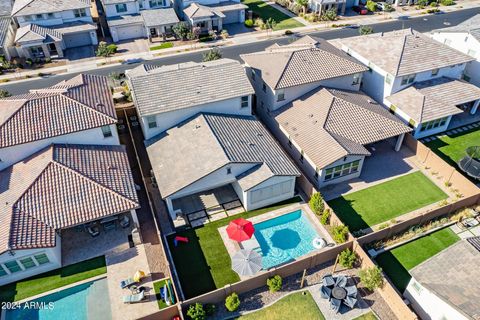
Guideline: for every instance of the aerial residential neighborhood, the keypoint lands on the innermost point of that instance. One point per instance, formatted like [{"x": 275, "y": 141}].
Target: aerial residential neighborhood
[{"x": 241, "y": 159}]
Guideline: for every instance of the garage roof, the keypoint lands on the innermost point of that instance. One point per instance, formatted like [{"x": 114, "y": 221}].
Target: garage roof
[
  {"x": 158, "y": 17},
  {"x": 125, "y": 20}
]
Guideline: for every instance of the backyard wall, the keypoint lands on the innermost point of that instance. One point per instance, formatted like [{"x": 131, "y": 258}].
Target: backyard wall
[{"x": 167, "y": 313}]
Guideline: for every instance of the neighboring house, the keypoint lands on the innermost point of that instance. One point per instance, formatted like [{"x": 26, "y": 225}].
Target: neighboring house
[
  {"x": 165, "y": 96},
  {"x": 48, "y": 27},
  {"x": 131, "y": 19},
  {"x": 209, "y": 151},
  {"x": 320, "y": 6},
  {"x": 7, "y": 30},
  {"x": 447, "y": 286},
  {"x": 213, "y": 15},
  {"x": 431, "y": 106},
  {"x": 466, "y": 38},
  {"x": 77, "y": 111},
  {"x": 58, "y": 188}
]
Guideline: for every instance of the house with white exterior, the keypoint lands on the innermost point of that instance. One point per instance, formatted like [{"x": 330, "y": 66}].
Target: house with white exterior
[
  {"x": 167, "y": 95},
  {"x": 446, "y": 286},
  {"x": 131, "y": 19},
  {"x": 218, "y": 151},
  {"x": 58, "y": 188},
  {"x": 48, "y": 27},
  {"x": 464, "y": 37},
  {"x": 213, "y": 15},
  {"x": 75, "y": 111},
  {"x": 7, "y": 30}
]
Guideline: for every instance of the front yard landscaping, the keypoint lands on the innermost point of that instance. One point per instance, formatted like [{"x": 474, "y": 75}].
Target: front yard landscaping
[
  {"x": 164, "y": 45},
  {"x": 386, "y": 201},
  {"x": 397, "y": 262},
  {"x": 265, "y": 11},
  {"x": 203, "y": 264}
]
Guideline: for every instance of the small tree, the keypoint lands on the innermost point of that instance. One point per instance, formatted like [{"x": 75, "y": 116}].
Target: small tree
[
  {"x": 269, "y": 25},
  {"x": 325, "y": 217},
  {"x": 106, "y": 50},
  {"x": 316, "y": 203},
  {"x": 196, "y": 312},
  {"x": 365, "y": 30},
  {"x": 181, "y": 30},
  {"x": 347, "y": 258},
  {"x": 4, "y": 93},
  {"x": 388, "y": 7},
  {"x": 303, "y": 4},
  {"x": 371, "y": 278},
  {"x": 232, "y": 302},
  {"x": 274, "y": 283},
  {"x": 340, "y": 233},
  {"x": 371, "y": 6},
  {"x": 212, "y": 54},
  {"x": 330, "y": 15},
  {"x": 422, "y": 3},
  {"x": 224, "y": 34}
]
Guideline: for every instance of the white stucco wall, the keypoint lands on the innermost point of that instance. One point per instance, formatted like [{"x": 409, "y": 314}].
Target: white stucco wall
[
  {"x": 132, "y": 8},
  {"x": 247, "y": 201},
  {"x": 13, "y": 154},
  {"x": 59, "y": 18}
]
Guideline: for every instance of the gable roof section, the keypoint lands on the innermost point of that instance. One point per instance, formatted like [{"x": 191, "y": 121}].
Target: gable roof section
[
  {"x": 198, "y": 11},
  {"x": 81, "y": 103},
  {"x": 305, "y": 61},
  {"x": 404, "y": 52},
  {"x": 174, "y": 87},
  {"x": 329, "y": 124},
  {"x": 34, "y": 32},
  {"x": 59, "y": 187},
  {"x": 471, "y": 26},
  {"x": 157, "y": 17},
  {"x": 26, "y": 7}
]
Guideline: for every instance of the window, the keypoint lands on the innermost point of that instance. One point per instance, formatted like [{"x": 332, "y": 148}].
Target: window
[
  {"x": 253, "y": 75},
  {"x": 434, "y": 72},
  {"x": 38, "y": 16},
  {"x": 280, "y": 95},
  {"x": 13, "y": 266},
  {"x": 28, "y": 18},
  {"x": 408, "y": 79},
  {"x": 157, "y": 3},
  {"x": 229, "y": 170},
  {"x": 50, "y": 15},
  {"x": 464, "y": 77},
  {"x": 472, "y": 53},
  {"x": 342, "y": 170},
  {"x": 121, "y": 7},
  {"x": 27, "y": 263},
  {"x": 41, "y": 258},
  {"x": 107, "y": 131},
  {"x": 447, "y": 42},
  {"x": 244, "y": 103},
  {"x": 356, "y": 79},
  {"x": 416, "y": 286},
  {"x": 80, "y": 13},
  {"x": 388, "y": 79},
  {"x": 152, "y": 122},
  {"x": 140, "y": 4},
  {"x": 466, "y": 39},
  {"x": 264, "y": 87},
  {"x": 2, "y": 271},
  {"x": 433, "y": 124}
]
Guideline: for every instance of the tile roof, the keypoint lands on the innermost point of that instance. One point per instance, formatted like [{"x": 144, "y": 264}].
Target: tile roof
[
  {"x": 471, "y": 26},
  {"x": 5, "y": 8},
  {"x": 434, "y": 99},
  {"x": 157, "y": 90},
  {"x": 207, "y": 142},
  {"x": 197, "y": 11},
  {"x": 453, "y": 275},
  {"x": 305, "y": 61},
  {"x": 81, "y": 103},
  {"x": 404, "y": 52},
  {"x": 225, "y": 6},
  {"x": 59, "y": 187},
  {"x": 329, "y": 124},
  {"x": 158, "y": 17},
  {"x": 4, "y": 27},
  {"x": 26, "y": 7},
  {"x": 124, "y": 20},
  {"x": 34, "y": 32},
  {"x": 116, "y": 1}
]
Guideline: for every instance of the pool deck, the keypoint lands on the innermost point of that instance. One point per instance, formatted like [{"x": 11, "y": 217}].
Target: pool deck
[{"x": 232, "y": 246}]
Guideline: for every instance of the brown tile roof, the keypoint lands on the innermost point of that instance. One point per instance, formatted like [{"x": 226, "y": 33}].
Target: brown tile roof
[
  {"x": 404, "y": 52},
  {"x": 81, "y": 103},
  {"x": 434, "y": 99},
  {"x": 59, "y": 187},
  {"x": 305, "y": 61},
  {"x": 329, "y": 124},
  {"x": 26, "y": 7}
]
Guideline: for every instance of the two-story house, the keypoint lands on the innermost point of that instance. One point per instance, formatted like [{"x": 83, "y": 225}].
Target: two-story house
[
  {"x": 7, "y": 30},
  {"x": 398, "y": 60},
  {"x": 308, "y": 94},
  {"x": 131, "y": 19},
  {"x": 48, "y": 27}
]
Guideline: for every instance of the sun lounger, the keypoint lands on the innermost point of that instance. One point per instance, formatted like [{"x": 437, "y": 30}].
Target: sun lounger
[
  {"x": 351, "y": 291},
  {"x": 134, "y": 298},
  {"x": 127, "y": 283},
  {"x": 325, "y": 292},
  {"x": 350, "y": 302},
  {"x": 341, "y": 281},
  {"x": 328, "y": 280},
  {"x": 335, "y": 304}
]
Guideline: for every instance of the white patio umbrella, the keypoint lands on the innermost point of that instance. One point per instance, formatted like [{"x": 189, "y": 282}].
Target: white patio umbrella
[{"x": 246, "y": 262}]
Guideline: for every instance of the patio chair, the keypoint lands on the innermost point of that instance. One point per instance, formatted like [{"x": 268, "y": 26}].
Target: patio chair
[
  {"x": 134, "y": 298},
  {"x": 127, "y": 283},
  {"x": 125, "y": 222},
  {"x": 350, "y": 302},
  {"x": 335, "y": 304},
  {"x": 325, "y": 292},
  {"x": 93, "y": 230},
  {"x": 328, "y": 280},
  {"x": 341, "y": 281},
  {"x": 351, "y": 291}
]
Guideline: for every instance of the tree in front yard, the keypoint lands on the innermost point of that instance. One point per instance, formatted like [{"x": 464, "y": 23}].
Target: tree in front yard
[
  {"x": 303, "y": 4},
  {"x": 365, "y": 30},
  {"x": 371, "y": 278},
  {"x": 181, "y": 30},
  {"x": 212, "y": 54},
  {"x": 4, "y": 93},
  {"x": 371, "y": 6},
  {"x": 330, "y": 15},
  {"x": 269, "y": 25},
  {"x": 196, "y": 312},
  {"x": 106, "y": 50},
  {"x": 316, "y": 203}
]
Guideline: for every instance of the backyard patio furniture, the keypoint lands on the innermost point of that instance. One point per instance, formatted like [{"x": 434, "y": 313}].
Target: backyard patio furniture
[
  {"x": 350, "y": 302},
  {"x": 335, "y": 289},
  {"x": 240, "y": 230},
  {"x": 341, "y": 281},
  {"x": 127, "y": 283},
  {"x": 351, "y": 291},
  {"x": 134, "y": 298},
  {"x": 335, "y": 304},
  {"x": 93, "y": 230},
  {"x": 325, "y": 292},
  {"x": 125, "y": 222},
  {"x": 246, "y": 262},
  {"x": 328, "y": 280}
]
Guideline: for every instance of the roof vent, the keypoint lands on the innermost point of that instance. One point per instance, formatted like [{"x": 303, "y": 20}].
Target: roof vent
[
  {"x": 251, "y": 144},
  {"x": 310, "y": 115},
  {"x": 197, "y": 126},
  {"x": 259, "y": 134}
]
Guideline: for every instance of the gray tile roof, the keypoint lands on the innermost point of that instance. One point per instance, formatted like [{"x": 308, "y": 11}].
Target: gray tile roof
[
  {"x": 5, "y": 8},
  {"x": 207, "y": 142},
  {"x": 471, "y": 26},
  {"x": 304, "y": 61},
  {"x": 180, "y": 86},
  {"x": 454, "y": 276},
  {"x": 4, "y": 26},
  {"x": 328, "y": 124},
  {"x": 26, "y": 7},
  {"x": 225, "y": 6},
  {"x": 81, "y": 103},
  {"x": 198, "y": 11},
  {"x": 434, "y": 99},
  {"x": 158, "y": 17},
  {"x": 59, "y": 187},
  {"x": 124, "y": 20},
  {"x": 34, "y": 32},
  {"x": 116, "y": 1},
  {"x": 404, "y": 52}
]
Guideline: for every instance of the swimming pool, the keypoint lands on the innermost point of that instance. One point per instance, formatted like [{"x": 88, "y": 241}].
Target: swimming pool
[
  {"x": 285, "y": 238},
  {"x": 85, "y": 301}
]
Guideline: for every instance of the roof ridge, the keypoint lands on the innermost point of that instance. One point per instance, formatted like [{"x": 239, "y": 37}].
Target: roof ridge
[
  {"x": 86, "y": 106},
  {"x": 285, "y": 68},
  {"x": 401, "y": 54},
  {"x": 14, "y": 113},
  {"x": 204, "y": 115}
]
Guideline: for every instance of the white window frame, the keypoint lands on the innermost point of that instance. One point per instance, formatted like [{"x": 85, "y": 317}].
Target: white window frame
[
  {"x": 244, "y": 102},
  {"x": 151, "y": 122},
  {"x": 121, "y": 7},
  {"x": 341, "y": 170},
  {"x": 408, "y": 79},
  {"x": 79, "y": 13},
  {"x": 107, "y": 131},
  {"x": 280, "y": 95}
]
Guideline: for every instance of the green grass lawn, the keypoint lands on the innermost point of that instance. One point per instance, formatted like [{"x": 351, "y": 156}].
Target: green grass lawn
[
  {"x": 397, "y": 262},
  {"x": 156, "y": 286},
  {"x": 53, "y": 279},
  {"x": 293, "y": 306},
  {"x": 203, "y": 264},
  {"x": 367, "y": 316},
  {"x": 265, "y": 11},
  {"x": 164, "y": 45},
  {"x": 386, "y": 201}
]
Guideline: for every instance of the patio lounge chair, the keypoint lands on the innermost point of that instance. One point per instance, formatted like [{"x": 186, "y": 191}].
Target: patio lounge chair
[
  {"x": 341, "y": 281},
  {"x": 350, "y": 302},
  {"x": 127, "y": 283},
  {"x": 328, "y": 280},
  {"x": 134, "y": 298},
  {"x": 325, "y": 292},
  {"x": 351, "y": 291},
  {"x": 93, "y": 231},
  {"x": 335, "y": 304}
]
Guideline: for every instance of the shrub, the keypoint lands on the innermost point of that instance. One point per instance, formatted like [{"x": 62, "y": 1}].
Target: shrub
[
  {"x": 224, "y": 34},
  {"x": 181, "y": 30},
  {"x": 274, "y": 283},
  {"x": 288, "y": 32},
  {"x": 330, "y": 15},
  {"x": 347, "y": 258},
  {"x": 249, "y": 23},
  {"x": 365, "y": 30},
  {"x": 340, "y": 233},
  {"x": 371, "y": 6},
  {"x": 371, "y": 277},
  {"x": 447, "y": 2},
  {"x": 196, "y": 312},
  {"x": 259, "y": 23},
  {"x": 232, "y": 302},
  {"x": 209, "y": 309},
  {"x": 325, "y": 217},
  {"x": 112, "y": 48},
  {"x": 4, "y": 93},
  {"x": 106, "y": 50},
  {"x": 212, "y": 54},
  {"x": 422, "y": 3},
  {"x": 316, "y": 203},
  {"x": 388, "y": 7}
]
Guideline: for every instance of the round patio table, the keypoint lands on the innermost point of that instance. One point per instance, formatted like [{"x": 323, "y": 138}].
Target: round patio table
[{"x": 339, "y": 293}]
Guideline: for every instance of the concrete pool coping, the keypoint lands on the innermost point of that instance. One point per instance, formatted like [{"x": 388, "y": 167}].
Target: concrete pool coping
[{"x": 232, "y": 246}]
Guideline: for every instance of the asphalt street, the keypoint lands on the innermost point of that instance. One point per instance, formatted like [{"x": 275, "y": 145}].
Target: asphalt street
[{"x": 422, "y": 24}]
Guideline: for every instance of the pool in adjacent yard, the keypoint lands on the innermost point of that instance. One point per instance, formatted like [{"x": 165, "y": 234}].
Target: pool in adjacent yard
[
  {"x": 285, "y": 238},
  {"x": 85, "y": 301}
]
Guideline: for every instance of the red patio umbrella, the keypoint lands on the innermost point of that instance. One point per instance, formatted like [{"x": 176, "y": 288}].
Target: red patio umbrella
[{"x": 240, "y": 230}]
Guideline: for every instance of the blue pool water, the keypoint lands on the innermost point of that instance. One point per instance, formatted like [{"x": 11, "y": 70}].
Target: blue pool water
[
  {"x": 285, "y": 238},
  {"x": 86, "y": 301}
]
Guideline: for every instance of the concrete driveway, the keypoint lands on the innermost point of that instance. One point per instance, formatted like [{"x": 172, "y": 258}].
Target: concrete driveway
[
  {"x": 79, "y": 53},
  {"x": 133, "y": 46}
]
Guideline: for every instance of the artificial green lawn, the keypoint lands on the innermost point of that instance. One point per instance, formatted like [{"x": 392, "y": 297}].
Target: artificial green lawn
[
  {"x": 53, "y": 279},
  {"x": 397, "y": 262},
  {"x": 387, "y": 200},
  {"x": 156, "y": 287},
  {"x": 367, "y": 316},
  {"x": 293, "y": 306},
  {"x": 203, "y": 264},
  {"x": 265, "y": 11},
  {"x": 164, "y": 45}
]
